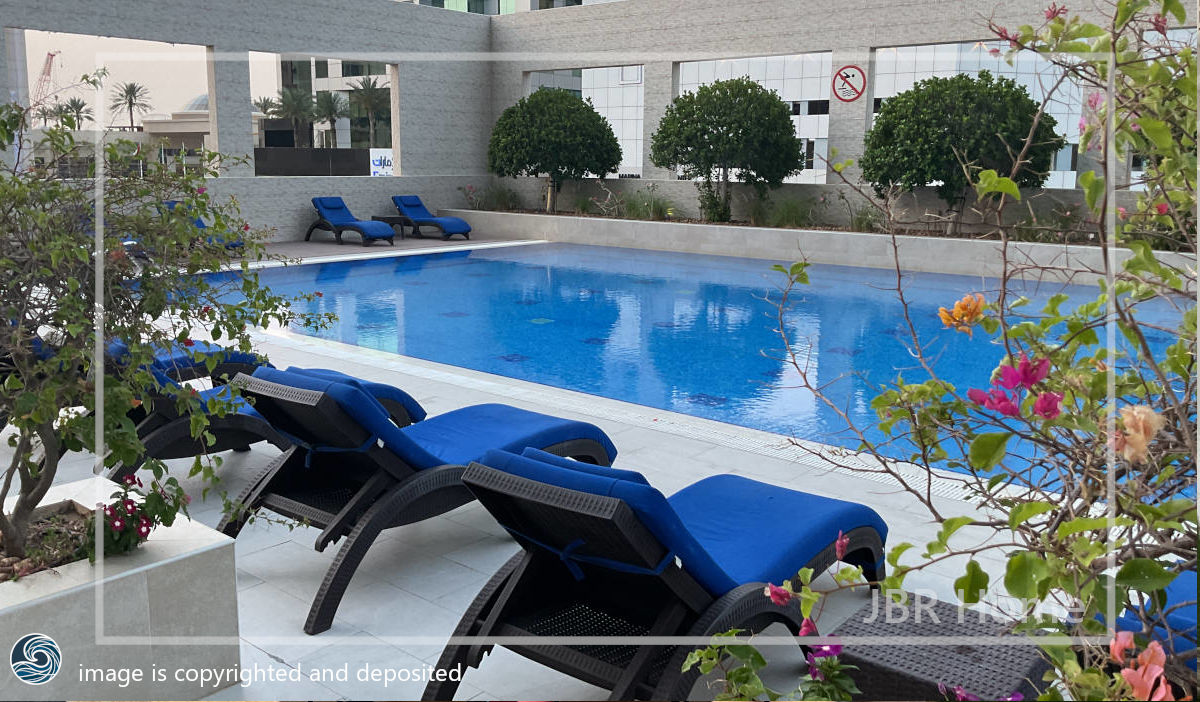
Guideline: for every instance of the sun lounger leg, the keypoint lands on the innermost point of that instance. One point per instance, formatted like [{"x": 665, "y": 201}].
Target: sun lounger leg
[
  {"x": 429, "y": 492},
  {"x": 230, "y": 525},
  {"x": 462, "y": 656}
]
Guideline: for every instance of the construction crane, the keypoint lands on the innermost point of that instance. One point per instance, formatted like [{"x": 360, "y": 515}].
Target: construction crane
[{"x": 42, "y": 89}]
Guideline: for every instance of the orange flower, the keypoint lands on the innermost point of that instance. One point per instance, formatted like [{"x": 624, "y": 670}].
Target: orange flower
[
  {"x": 1141, "y": 424},
  {"x": 966, "y": 312}
]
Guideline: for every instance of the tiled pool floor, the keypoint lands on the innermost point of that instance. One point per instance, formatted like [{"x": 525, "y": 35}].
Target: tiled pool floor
[{"x": 417, "y": 580}]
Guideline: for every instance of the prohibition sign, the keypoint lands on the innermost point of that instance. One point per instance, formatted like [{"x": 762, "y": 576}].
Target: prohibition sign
[{"x": 849, "y": 83}]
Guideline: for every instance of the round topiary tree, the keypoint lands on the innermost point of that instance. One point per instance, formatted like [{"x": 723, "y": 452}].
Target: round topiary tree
[
  {"x": 933, "y": 133},
  {"x": 723, "y": 127},
  {"x": 554, "y": 134}
]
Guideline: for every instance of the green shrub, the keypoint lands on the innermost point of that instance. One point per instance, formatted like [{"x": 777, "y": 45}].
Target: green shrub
[
  {"x": 499, "y": 197},
  {"x": 797, "y": 212},
  {"x": 648, "y": 204},
  {"x": 583, "y": 204},
  {"x": 758, "y": 211}
]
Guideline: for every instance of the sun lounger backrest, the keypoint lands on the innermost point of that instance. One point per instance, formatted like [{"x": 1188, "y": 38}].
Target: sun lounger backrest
[
  {"x": 333, "y": 210},
  {"x": 649, "y": 506},
  {"x": 412, "y": 207},
  {"x": 379, "y": 391},
  {"x": 364, "y": 412}
]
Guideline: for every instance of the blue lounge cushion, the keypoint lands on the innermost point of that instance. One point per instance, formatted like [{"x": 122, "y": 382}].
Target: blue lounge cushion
[
  {"x": 453, "y": 438},
  {"x": 412, "y": 207},
  {"x": 727, "y": 530},
  {"x": 760, "y": 532},
  {"x": 463, "y": 435},
  {"x": 651, "y": 507},
  {"x": 177, "y": 356},
  {"x": 356, "y": 402},
  {"x": 379, "y": 391},
  {"x": 334, "y": 211},
  {"x": 602, "y": 471}
]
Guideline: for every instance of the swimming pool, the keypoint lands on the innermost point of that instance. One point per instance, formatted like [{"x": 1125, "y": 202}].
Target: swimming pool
[{"x": 687, "y": 333}]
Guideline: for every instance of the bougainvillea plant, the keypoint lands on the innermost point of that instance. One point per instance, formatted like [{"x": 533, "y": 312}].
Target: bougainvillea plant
[{"x": 1078, "y": 452}]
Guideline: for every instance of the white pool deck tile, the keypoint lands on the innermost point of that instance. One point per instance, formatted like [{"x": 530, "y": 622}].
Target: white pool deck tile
[{"x": 413, "y": 585}]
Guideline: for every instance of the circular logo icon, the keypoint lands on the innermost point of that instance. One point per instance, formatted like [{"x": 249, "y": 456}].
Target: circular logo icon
[{"x": 35, "y": 659}]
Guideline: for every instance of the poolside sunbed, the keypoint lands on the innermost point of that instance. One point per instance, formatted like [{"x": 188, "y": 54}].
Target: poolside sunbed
[
  {"x": 605, "y": 554},
  {"x": 353, "y": 473},
  {"x": 334, "y": 216},
  {"x": 413, "y": 211}
]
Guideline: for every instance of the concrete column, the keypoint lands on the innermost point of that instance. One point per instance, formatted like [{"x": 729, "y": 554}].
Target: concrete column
[
  {"x": 393, "y": 74},
  {"x": 14, "y": 76},
  {"x": 660, "y": 84},
  {"x": 849, "y": 121},
  {"x": 231, "y": 121}
]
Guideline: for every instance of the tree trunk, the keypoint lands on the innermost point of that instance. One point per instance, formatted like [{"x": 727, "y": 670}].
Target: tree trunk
[
  {"x": 14, "y": 527},
  {"x": 131, "y": 118},
  {"x": 725, "y": 192},
  {"x": 370, "y": 130},
  {"x": 550, "y": 200}
]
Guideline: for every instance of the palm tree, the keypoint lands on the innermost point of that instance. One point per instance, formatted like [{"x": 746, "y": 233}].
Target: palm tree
[
  {"x": 266, "y": 105},
  {"x": 59, "y": 112},
  {"x": 131, "y": 97},
  {"x": 295, "y": 104},
  {"x": 79, "y": 111},
  {"x": 330, "y": 107},
  {"x": 372, "y": 98}
]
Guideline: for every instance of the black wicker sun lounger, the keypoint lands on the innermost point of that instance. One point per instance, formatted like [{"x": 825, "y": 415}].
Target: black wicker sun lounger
[
  {"x": 605, "y": 555},
  {"x": 167, "y": 434},
  {"x": 353, "y": 473}
]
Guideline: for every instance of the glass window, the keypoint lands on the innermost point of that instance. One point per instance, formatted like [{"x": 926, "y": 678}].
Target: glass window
[
  {"x": 322, "y": 69},
  {"x": 818, "y": 107}
]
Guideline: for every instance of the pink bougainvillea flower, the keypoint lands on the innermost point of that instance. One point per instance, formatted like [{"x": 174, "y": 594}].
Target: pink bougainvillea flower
[
  {"x": 1122, "y": 213},
  {"x": 1141, "y": 425},
  {"x": 1048, "y": 405},
  {"x": 961, "y": 694},
  {"x": 1025, "y": 374},
  {"x": 1095, "y": 100},
  {"x": 1148, "y": 683},
  {"x": 1055, "y": 10},
  {"x": 1121, "y": 642},
  {"x": 1159, "y": 23},
  {"x": 1162, "y": 208},
  {"x": 1153, "y": 655},
  {"x": 778, "y": 595},
  {"x": 807, "y": 627},
  {"x": 117, "y": 524},
  {"x": 840, "y": 545},
  {"x": 996, "y": 400},
  {"x": 994, "y": 52}
]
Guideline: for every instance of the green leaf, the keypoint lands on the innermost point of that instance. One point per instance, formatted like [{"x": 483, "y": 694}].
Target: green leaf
[
  {"x": 1026, "y": 511},
  {"x": 1144, "y": 575},
  {"x": 1158, "y": 132},
  {"x": 987, "y": 450},
  {"x": 972, "y": 584},
  {"x": 1024, "y": 574}
]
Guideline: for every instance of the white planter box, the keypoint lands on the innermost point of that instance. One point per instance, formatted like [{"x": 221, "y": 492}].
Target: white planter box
[
  {"x": 917, "y": 253},
  {"x": 168, "y": 608}
]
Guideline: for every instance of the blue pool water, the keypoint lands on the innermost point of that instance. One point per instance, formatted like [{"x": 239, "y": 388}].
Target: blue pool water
[{"x": 681, "y": 332}]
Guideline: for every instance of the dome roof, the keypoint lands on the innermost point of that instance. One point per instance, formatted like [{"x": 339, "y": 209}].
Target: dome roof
[{"x": 197, "y": 104}]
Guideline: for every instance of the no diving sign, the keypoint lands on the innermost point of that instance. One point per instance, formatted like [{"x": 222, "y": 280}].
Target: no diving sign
[{"x": 849, "y": 83}]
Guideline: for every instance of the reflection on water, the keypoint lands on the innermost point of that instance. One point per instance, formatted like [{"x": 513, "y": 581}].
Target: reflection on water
[{"x": 681, "y": 332}]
